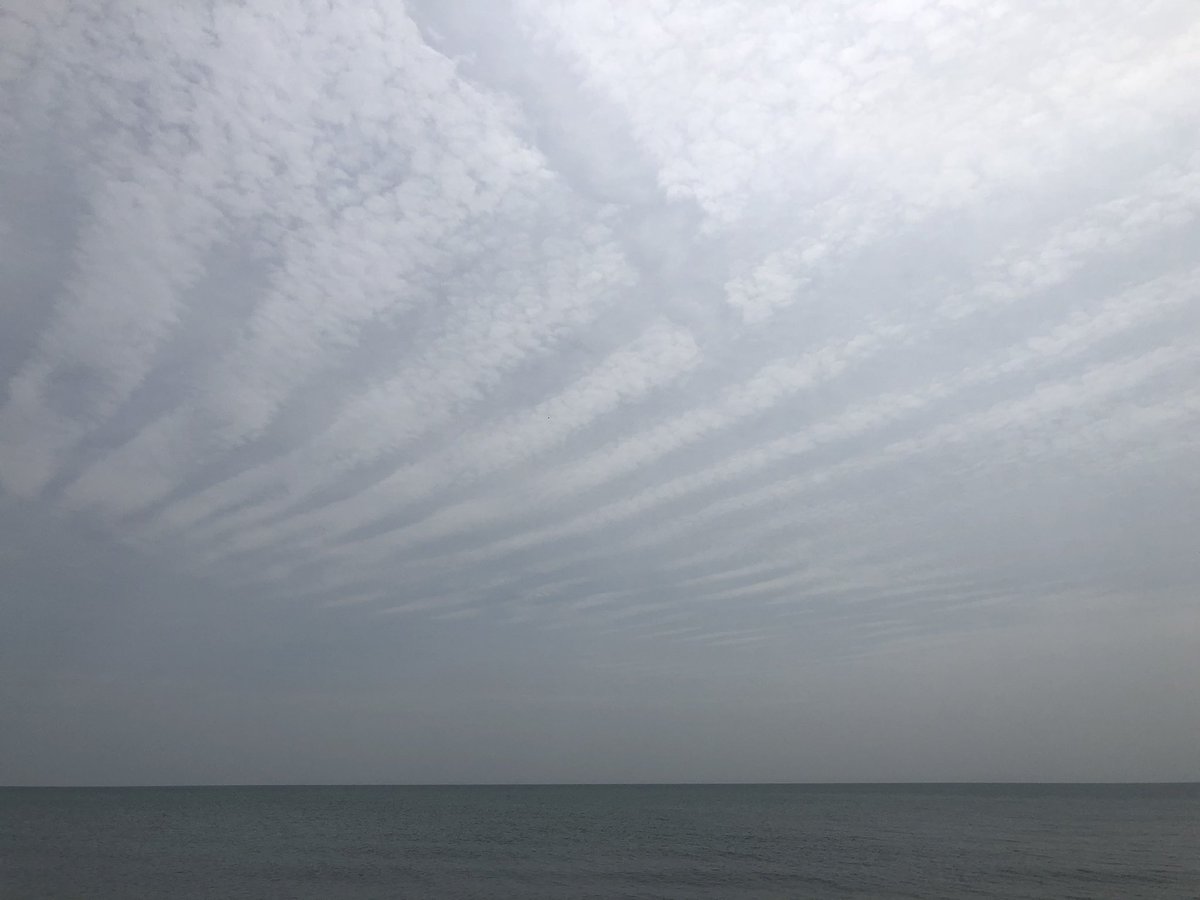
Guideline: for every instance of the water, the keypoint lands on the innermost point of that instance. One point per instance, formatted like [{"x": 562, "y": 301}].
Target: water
[{"x": 655, "y": 841}]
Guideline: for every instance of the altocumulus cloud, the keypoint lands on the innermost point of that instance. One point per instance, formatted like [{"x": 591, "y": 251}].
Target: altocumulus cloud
[{"x": 739, "y": 349}]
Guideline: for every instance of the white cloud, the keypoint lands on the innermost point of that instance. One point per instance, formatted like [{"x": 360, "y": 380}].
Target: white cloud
[
  {"x": 370, "y": 233},
  {"x": 654, "y": 358},
  {"x": 742, "y": 102},
  {"x": 1073, "y": 337}
]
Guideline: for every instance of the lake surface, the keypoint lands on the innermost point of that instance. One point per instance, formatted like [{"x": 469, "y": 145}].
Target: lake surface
[{"x": 1010, "y": 841}]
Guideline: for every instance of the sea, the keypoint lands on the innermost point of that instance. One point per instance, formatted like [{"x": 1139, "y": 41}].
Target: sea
[{"x": 644, "y": 841}]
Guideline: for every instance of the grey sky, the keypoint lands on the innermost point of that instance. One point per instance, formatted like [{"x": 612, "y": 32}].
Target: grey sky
[{"x": 599, "y": 391}]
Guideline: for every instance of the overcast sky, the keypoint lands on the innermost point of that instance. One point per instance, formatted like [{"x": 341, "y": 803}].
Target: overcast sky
[{"x": 599, "y": 391}]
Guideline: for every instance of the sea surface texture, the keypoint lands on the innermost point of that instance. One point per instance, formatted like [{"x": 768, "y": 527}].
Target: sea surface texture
[{"x": 1007, "y": 841}]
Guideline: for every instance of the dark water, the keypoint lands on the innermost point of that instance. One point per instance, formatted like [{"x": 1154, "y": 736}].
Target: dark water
[{"x": 670, "y": 841}]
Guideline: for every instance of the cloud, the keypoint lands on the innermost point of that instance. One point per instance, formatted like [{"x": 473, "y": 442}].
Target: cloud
[
  {"x": 741, "y": 101},
  {"x": 1075, "y": 336},
  {"x": 716, "y": 335},
  {"x": 370, "y": 234},
  {"x": 654, "y": 358}
]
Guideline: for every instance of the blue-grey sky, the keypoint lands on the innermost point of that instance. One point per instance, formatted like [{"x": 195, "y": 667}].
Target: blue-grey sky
[{"x": 455, "y": 391}]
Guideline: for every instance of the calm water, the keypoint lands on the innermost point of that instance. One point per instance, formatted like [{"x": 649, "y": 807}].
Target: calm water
[{"x": 670, "y": 841}]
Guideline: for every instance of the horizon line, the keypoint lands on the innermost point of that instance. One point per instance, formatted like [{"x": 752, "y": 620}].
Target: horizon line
[{"x": 506, "y": 784}]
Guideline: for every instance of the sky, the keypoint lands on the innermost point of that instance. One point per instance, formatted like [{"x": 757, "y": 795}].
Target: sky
[{"x": 599, "y": 391}]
